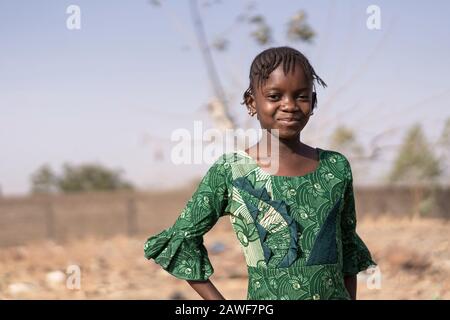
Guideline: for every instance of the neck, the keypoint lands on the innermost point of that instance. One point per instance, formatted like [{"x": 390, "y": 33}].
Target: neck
[{"x": 285, "y": 147}]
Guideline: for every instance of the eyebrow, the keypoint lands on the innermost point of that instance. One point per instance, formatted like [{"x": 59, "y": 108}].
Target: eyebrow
[{"x": 275, "y": 88}]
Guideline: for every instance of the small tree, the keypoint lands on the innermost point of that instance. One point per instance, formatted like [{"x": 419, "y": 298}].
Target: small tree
[
  {"x": 417, "y": 164},
  {"x": 344, "y": 140},
  {"x": 90, "y": 177},
  {"x": 82, "y": 178},
  {"x": 444, "y": 148},
  {"x": 44, "y": 180},
  {"x": 415, "y": 161}
]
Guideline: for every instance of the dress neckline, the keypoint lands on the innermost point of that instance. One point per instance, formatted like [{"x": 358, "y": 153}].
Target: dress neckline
[{"x": 320, "y": 163}]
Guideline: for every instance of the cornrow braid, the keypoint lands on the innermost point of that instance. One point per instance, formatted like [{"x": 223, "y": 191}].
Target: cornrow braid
[{"x": 268, "y": 60}]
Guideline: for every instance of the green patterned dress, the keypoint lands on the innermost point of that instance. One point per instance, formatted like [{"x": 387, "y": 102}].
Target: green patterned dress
[{"x": 298, "y": 234}]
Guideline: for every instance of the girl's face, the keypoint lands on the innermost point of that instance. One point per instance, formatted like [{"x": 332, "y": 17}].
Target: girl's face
[{"x": 284, "y": 102}]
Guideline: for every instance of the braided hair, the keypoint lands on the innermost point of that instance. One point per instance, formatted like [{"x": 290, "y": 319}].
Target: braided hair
[{"x": 268, "y": 60}]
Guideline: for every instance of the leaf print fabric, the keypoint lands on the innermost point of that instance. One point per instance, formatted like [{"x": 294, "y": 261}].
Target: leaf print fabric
[{"x": 297, "y": 234}]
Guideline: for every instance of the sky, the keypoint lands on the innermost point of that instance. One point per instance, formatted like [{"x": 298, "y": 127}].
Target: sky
[{"x": 113, "y": 91}]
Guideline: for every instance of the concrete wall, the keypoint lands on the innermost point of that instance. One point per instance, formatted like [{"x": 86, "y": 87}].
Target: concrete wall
[{"x": 104, "y": 214}]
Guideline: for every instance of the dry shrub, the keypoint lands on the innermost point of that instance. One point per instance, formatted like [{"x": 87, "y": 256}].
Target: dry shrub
[{"x": 407, "y": 259}]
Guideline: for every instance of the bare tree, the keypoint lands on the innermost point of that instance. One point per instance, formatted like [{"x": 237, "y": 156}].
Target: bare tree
[{"x": 298, "y": 30}]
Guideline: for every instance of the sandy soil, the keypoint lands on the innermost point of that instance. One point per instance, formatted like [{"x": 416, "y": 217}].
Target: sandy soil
[{"x": 413, "y": 256}]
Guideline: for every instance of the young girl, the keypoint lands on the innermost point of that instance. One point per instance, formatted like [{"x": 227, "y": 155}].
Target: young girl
[{"x": 297, "y": 226}]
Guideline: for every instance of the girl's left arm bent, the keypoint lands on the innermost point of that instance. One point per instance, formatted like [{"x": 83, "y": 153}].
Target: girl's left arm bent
[{"x": 179, "y": 249}]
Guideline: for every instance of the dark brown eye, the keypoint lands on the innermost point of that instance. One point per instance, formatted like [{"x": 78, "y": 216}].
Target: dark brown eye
[{"x": 273, "y": 97}]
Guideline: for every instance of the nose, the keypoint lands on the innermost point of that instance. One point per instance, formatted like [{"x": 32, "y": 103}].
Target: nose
[{"x": 289, "y": 105}]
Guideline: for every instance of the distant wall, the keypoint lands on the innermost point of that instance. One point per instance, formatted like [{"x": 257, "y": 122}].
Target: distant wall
[
  {"x": 71, "y": 216},
  {"x": 403, "y": 201},
  {"x": 104, "y": 214}
]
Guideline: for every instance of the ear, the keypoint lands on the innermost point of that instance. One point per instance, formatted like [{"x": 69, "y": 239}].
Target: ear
[
  {"x": 313, "y": 100},
  {"x": 251, "y": 103}
]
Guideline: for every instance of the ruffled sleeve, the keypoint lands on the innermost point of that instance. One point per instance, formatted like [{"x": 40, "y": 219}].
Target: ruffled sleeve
[
  {"x": 356, "y": 255},
  {"x": 179, "y": 249}
]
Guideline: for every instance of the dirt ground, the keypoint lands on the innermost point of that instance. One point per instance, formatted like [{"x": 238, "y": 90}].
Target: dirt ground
[{"x": 413, "y": 258}]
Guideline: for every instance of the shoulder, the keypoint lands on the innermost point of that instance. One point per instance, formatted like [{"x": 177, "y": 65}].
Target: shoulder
[
  {"x": 335, "y": 156},
  {"x": 234, "y": 164},
  {"x": 338, "y": 160},
  {"x": 228, "y": 159},
  {"x": 217, "y": 174},
  {"x": 227, "y": 167},
  {"x": 223, "y": 163}
]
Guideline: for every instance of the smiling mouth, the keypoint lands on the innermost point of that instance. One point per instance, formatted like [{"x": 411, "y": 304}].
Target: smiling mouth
[{"x": 289, "y": 121}]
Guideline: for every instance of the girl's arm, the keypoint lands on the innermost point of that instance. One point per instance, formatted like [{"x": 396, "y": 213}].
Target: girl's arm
[
  {"x": 206, "y": 289},
  {"x": 351, "y": 284}
]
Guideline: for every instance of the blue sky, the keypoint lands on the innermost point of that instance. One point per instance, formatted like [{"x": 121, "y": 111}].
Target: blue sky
[{"x": 114, "y": 90}]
